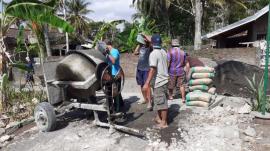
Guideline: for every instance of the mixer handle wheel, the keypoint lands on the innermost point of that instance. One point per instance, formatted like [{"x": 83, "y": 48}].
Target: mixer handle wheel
[{"x": 108, "y": 81}]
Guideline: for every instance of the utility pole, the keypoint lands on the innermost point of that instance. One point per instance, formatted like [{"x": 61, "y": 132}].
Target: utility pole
[
  {"x": 65, "y": 18},
  {"x": 266, "y": 65}
]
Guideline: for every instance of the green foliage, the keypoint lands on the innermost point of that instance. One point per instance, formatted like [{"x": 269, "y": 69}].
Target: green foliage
[
  {"x": 175, "y": 18},
  {"x": 37, "y": 12},
  {"x": 146, "y": 26},
  {"x": 76, "y": 15},
  {"x": 105, "y": 29},
  {"x": 5, "y": 23},
  {"x": 21, "y": 66},
  {"x": 33, "y": 50},
  {"x": 4, "y": 82},
  {"x": 20, "y": 40},
  {"x": 166, "y": 41},
  {"x": 22, "y": 98},
  {"x": 256, "y": 88},
  {"x": 257, "y": 5}
]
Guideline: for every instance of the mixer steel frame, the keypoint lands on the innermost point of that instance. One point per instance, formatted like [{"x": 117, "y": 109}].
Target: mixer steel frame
[{"x": 45, "y": 112}]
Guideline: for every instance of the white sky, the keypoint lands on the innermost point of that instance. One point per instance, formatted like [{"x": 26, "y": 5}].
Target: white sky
[{"x": 108, "y": 10}]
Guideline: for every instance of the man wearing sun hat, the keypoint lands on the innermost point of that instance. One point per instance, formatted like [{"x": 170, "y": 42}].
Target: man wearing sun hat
[
  {"x": 158, "y": 79},
  {"x": 176, "y": 61},
  {"x": 143, "y": 50}
]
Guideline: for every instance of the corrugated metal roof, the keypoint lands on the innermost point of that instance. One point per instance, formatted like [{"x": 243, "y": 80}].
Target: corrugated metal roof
[{"x": 237, "y": 24}]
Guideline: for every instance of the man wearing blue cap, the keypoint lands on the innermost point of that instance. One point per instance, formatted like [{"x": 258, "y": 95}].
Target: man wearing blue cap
[{"x": 158, "y": 78}]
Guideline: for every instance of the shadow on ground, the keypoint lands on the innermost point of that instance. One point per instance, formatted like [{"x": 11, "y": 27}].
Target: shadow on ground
[{"x": 137, "y": 117}]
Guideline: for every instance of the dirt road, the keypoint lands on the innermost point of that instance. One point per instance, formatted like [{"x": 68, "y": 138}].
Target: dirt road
[{"x": 190, "y": 129}]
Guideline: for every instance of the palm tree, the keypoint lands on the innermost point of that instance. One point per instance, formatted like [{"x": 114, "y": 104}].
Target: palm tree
[{"x": 76, "y": 15}]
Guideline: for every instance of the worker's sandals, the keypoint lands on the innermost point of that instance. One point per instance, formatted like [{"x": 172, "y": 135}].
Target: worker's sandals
[
  {"x": 150, "y": 106},
  {"x": 159, "y": 126},
  {"x": 142, "y": 102}
]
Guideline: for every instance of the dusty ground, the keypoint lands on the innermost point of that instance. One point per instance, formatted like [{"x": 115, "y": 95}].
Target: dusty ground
[
  {"x": 190, "y": 129},
  {"x": 246, "y": 55}
]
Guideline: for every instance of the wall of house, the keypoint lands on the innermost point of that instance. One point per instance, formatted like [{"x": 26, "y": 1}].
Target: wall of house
[
  {"x": 257, "y": 30},
  {"x": 260, "y": 27}
]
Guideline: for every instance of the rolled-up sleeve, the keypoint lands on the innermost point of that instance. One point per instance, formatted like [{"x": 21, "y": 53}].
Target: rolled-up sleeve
[
  {"x": 153, "y": 60},
  {"x": 115, "y": 54}
]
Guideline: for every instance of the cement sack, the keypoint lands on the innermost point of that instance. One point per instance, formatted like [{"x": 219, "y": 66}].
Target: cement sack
[
  {"x": 202, "y": 70},
  {"x": 205, "y": 81},
  {"x": 199, "y": 87},
  {"x": 74, "y": 67},
  {"x": 212, "y": 90},
  {"x": 202, "y": 75},
  {"x": 198, "y": 96},
  {"x": 198, "y": 104}
]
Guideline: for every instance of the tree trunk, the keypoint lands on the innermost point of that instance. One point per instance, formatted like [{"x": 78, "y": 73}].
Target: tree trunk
[
  {"x": 46, "y": 39},
  {"x": 198, "y": 25},
  {"x": 169, "y": 24}
]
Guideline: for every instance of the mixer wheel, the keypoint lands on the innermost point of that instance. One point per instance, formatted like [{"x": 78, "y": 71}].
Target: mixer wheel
[{"x": 45, "y": 117}]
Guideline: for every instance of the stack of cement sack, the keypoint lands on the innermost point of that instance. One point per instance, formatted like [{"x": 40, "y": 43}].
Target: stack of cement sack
[{"x": 200, "y": 87}]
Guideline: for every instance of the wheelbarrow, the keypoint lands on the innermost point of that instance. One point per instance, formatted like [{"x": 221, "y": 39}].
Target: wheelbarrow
[{"x": 72, "y": 82}]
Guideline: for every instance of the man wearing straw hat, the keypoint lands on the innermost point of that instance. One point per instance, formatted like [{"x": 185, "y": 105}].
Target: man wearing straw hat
[{"x": 176, "y": 63}]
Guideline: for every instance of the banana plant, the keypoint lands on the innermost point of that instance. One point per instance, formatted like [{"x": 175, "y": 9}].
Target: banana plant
[
  {"x": 38, "y": 13},
  {"x": 106, "y": 27},
  {"x": 147, "y": 26}
]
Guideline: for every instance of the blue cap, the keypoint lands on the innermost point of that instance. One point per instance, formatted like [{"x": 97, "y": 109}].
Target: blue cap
[{"x": 156, "y": 41}]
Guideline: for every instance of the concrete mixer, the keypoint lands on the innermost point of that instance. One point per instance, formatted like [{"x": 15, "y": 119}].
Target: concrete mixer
[{"x": 72, "y": 82}]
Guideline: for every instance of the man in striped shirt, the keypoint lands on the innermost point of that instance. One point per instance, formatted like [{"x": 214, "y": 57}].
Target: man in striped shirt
[{"x": 176, "y": 62}]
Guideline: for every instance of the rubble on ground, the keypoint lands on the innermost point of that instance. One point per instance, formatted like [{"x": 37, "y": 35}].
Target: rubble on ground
[
  {"x": 250, "y": 132},
  {"x": 2, "y": 131},
  {"x": 215, "y": 129},
  {"x": 2, "y": 124},
  {"x": 5, "y": 138},
  {"x": 246, "y": 109},
  {"x": 12, "y": 124}
]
